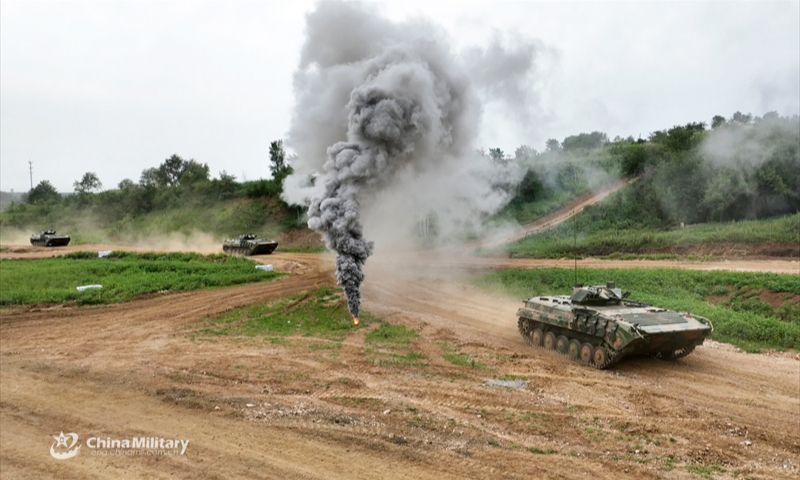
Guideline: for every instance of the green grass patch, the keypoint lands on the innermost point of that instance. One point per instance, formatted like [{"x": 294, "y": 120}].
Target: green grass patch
[
  {"x": 391, "y": 346},
  {"x": 705, "y": 471},
  {"x": 586, "y": 235},
  {"x": 411, "y": 359},
  {"x": 751, "y": 327},
  {"x": 319, "y": 313},
  {"x": 304, "y": 248},
  {"x": 123, "y": 275},
  {"x": 539, "y": 451},
  {"x": 511, "y": 378},
  {"x": 462, "y": 360},
  {"x": 391, "y": 337}
]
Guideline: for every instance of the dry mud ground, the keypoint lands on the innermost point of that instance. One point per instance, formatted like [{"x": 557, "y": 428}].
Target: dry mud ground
[{"x": 319, "y": 411}]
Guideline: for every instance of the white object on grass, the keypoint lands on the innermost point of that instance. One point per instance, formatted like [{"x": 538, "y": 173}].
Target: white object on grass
[
  {"x": 266, "y": 268},
  {"x": 86, "y": 287},
  {"x": 104, "y": 253}
]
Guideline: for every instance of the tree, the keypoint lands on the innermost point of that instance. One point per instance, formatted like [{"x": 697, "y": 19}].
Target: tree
[
  {"x": 584, "y": 141},
  {"x": 717, "y": 121},
  {"x": 496, "y": 154},
  {"x": 742, "y": 118},
  {"x": 552, "y": 145},
  {"x": 43, "y": 193},
  {"x": 171, "y": 171},
  {"x": 149, "y": 178},
  {"x": 226, "y": 185},
  {"x": 194, "y": 172},
  {"x": 679, "y": 138},
  {"x": 88, "y": 183},
  {"x": 277, "y": 160},
  {"x": 524, "y": 153},
  {"x": 126, "y": 184}
]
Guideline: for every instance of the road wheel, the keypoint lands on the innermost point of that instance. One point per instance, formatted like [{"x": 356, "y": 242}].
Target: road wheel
[
  {"x": 524, "y": 328},
  {"x": 549, "y": 340},
  {"x": 680, "y": 353},
  {"x": 600, "y": 357},
  {"x": 587, "y": 353},
  {"x": 561, "y": 344},
  {"x": 574, "y": 349},
  {"x": 536, "y": 337}
]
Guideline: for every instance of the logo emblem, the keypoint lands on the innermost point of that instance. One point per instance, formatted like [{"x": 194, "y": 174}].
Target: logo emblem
[{"x": 61, "y": 441}]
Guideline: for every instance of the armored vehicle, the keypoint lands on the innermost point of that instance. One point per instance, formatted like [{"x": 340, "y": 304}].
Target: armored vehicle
[
  {"x": 598, "y": 326},
  {"x": 249, "y": 244},
  {"x": 49, "y": 238}
]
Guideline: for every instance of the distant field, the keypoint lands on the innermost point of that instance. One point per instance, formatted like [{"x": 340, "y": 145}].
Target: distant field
[
  {"x": 754, "y": 311},
  {"x": 123, "y": 276},
  {"x": 561, "y": 241}
]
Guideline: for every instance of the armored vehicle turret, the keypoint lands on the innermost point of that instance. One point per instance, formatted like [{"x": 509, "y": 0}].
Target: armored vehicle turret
[
  {"x": 249, "y": 244},
  {"x": 598, "y": 326},
  {"x": 49, "y": 238}
]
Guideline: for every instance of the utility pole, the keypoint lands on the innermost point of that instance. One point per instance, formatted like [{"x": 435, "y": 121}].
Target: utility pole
[{"x": 30, "y": 168}]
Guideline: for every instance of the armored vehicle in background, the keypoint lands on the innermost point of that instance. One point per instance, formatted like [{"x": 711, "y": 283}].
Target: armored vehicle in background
[
  {"x": 249, "y": 244},
  {"x": 49, "y": 238},
  {"x": 598, "y": 326}
]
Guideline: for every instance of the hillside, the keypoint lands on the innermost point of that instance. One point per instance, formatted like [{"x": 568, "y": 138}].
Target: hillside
[{"x": 739, "y": 178}]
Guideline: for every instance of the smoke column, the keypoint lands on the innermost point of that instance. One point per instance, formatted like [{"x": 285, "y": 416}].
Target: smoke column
[{"x": 407, "y": 112}]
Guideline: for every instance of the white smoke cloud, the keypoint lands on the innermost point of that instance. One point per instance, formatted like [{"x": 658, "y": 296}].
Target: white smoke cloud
[{"x": 747, "y": 146}]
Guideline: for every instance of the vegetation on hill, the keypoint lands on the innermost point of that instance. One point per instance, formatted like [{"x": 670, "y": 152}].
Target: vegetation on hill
[
  {"x": 742, "y": 168},
  {"x": 177, "y": 196},
  {"x": 592, "y": 233}
]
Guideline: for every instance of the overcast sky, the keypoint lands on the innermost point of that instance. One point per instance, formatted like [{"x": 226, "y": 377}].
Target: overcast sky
[{"x": 117, "y": 87}]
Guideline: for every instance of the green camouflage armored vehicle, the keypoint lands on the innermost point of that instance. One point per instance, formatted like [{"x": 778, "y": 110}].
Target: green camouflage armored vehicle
[
  {"x": 249, "y": 244},
  {"x": 49, "y": 238},
  {"x": 598, "y": 326}
]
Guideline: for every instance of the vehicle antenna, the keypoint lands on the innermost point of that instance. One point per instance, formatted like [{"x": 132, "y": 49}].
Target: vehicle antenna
[{"x": 575, "y": 248}]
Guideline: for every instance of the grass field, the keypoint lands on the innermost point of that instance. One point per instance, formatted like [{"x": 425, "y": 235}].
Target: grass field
[
  {"x": 319, "y": 313},
  {"x": 123, "y": 276},
  {"x": 733, "y": 301},
  {"x": 583, "y": 237}
]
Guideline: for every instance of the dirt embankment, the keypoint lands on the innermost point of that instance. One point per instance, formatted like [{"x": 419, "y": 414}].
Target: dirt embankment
[
  {"x": 559, "y": 216},
  {"x": 735, "y": 250},
  {"x": 307, "y": 408}
]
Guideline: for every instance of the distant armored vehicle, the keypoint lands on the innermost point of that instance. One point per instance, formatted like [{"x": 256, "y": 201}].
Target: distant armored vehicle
[
  {"x": 49, "y": 238},
  {"x": 598, "y": 326},
  {"x": 249, "y": 244}
]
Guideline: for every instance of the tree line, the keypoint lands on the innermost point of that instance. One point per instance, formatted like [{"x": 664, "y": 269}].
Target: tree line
[
  {"x": 741, "y": 167},
  {"x": 175, "y": 182}
]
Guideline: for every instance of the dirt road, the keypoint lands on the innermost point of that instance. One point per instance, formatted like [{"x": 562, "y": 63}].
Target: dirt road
[
  {"x": 559, "y": 216},
  {"x": 253, "y": 408}
]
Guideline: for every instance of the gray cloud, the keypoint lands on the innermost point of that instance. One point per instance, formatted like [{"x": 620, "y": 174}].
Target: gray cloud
[{"x": 403, "y": 114}]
